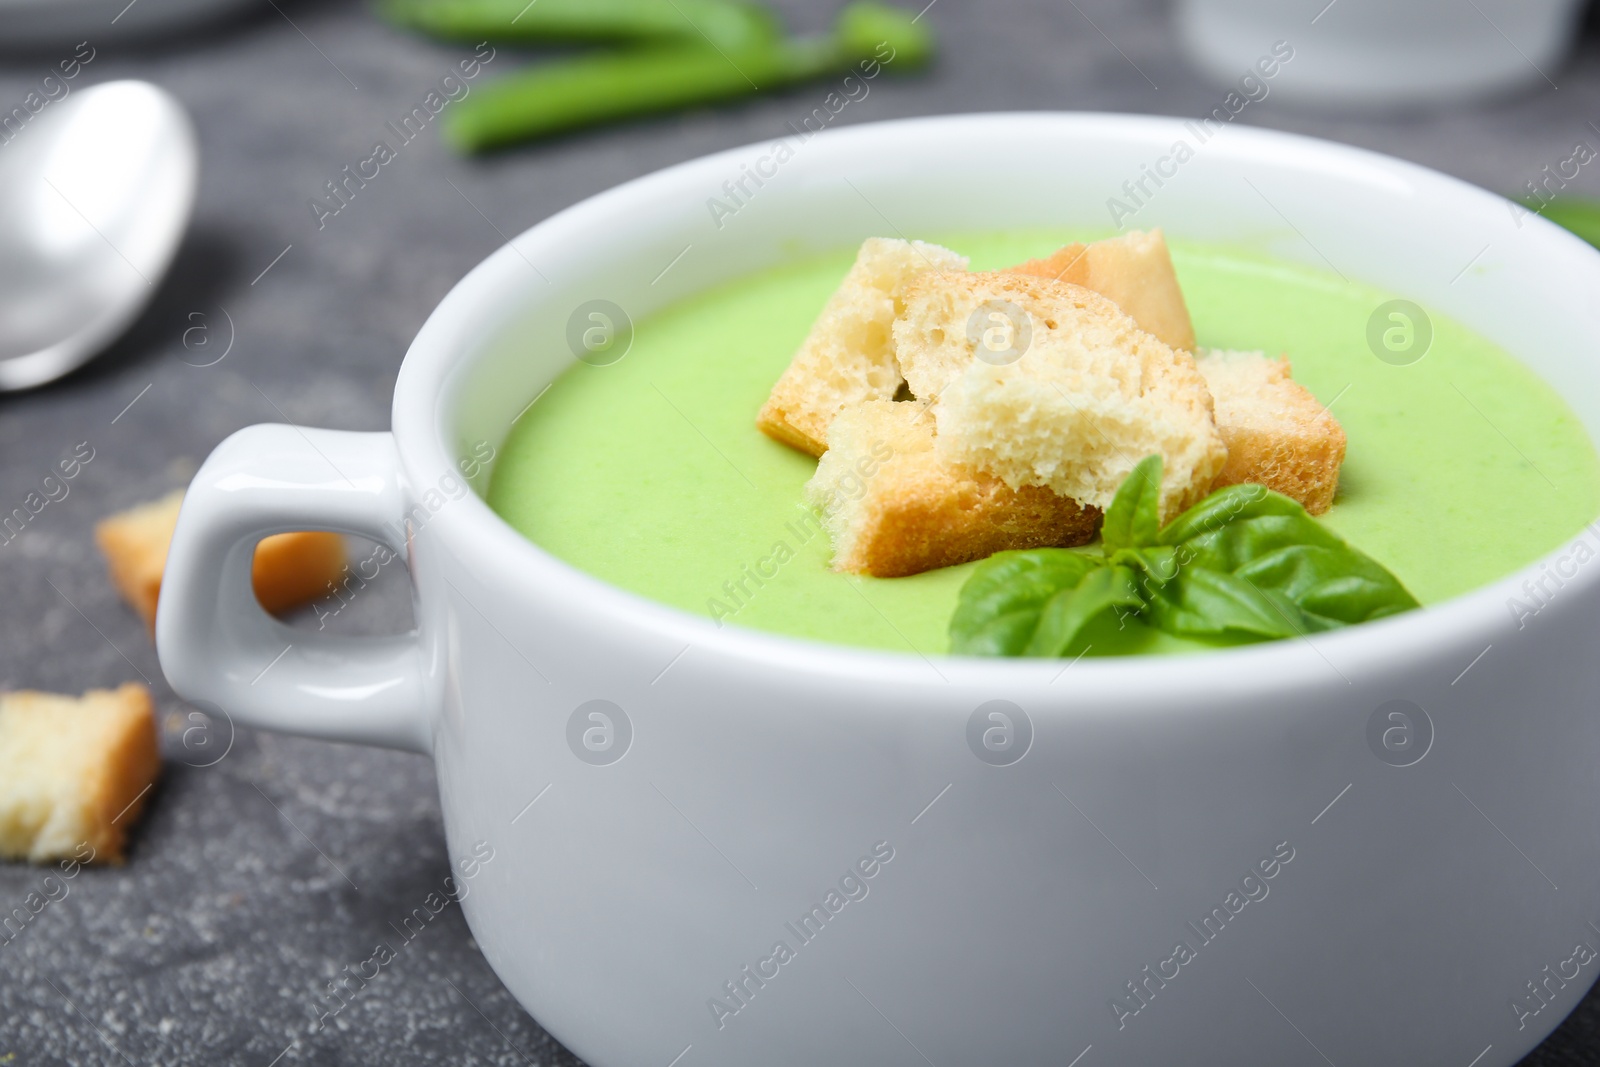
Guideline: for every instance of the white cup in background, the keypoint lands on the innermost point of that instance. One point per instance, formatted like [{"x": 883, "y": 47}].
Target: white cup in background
[{"x": 1384, "y": 53}]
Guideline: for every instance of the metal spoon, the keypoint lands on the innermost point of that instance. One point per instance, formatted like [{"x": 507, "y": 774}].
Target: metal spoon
[{"x": 96, "y": 189}]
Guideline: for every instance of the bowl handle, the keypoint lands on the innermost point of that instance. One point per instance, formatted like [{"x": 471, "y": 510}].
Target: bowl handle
[{"x": 222, "y": 651}]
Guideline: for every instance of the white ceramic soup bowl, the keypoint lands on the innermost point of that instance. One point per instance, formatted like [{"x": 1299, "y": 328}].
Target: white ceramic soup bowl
[{"x": 718, "y": 846}]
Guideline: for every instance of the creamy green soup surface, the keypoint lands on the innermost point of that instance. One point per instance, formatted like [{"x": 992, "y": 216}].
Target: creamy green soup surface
[{"x": 650, "y": 473}]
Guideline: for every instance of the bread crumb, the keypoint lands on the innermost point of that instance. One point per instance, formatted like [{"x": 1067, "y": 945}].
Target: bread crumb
[
  {"x": 75, "y": 772},
  {"x": 290, "y": 569}
]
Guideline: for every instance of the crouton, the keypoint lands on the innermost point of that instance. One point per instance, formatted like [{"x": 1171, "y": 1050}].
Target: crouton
[
  {"x": 290, "y": 569},
  {"x": 1133, "y": 271},
  {"x": 893, "y": 507},
  {"x": 848, "y": 356},
  {"x": 1072, "y": 401},
  {"x": 75, "y": 772},
  {"x": 1277, "y": 434}
]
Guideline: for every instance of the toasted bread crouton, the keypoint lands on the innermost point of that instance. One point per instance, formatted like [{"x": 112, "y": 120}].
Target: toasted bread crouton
[
  {"x": 74, "y": 772},
  {"x": 1277, "y": 434},
  {"x": 1134, "y": 271},
  {"x": 848, "y": 356},
  {"x": 290, "y": 569},
  {"x": 893, "y": 507},
  {"x": 1089, "y": 396}
]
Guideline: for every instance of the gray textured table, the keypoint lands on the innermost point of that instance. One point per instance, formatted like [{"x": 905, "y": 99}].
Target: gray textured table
[{"x": 258, "y": 876}]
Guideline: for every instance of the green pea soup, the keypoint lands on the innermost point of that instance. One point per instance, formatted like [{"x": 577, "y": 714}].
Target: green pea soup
[{"x": 650, "y": 473}]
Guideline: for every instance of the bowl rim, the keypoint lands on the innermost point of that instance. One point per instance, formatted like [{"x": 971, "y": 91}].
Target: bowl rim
[{"x": 426, "y": 394}]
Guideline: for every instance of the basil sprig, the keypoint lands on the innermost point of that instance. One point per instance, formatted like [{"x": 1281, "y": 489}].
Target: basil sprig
[{"x": 1244, "y": 564}]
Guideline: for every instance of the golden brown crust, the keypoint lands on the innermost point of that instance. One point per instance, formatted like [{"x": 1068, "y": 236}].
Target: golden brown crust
[
  {"x": 1278, "y": 434},
  {"x": 86, "y": 769},
  {"x": 134, "y": 543},
  {"x": 1134, "y": 271},
  {"x": 788, "y": 424},
  {"x": 132, "y": 763},
  {"x": 1069, "y": 263},
  {"x": 290, "y": 569},
  {"x": 1304, "y": 468},
  {"x": 892, "y": 507},
  {"x": 920, "y": 515}
]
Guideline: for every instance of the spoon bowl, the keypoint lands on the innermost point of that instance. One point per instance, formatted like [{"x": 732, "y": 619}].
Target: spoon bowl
[{"x": 96, "y": 190}]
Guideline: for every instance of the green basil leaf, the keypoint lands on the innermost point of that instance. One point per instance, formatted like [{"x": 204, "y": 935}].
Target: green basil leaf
[
  {"x": 1282, "y": 521},
  {"x": 1069, "y": 611},
  {"x": 1134, "y": 517},
  {"x": 1333, "y": 586},
  {"x": 1000, "y": 604},
  {"x": 1207, "y": 603},
  {"x": 1245, "y": 564},
  {"x": 1315, "y": 578},
  {"x": 1156, "y": 564}
]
